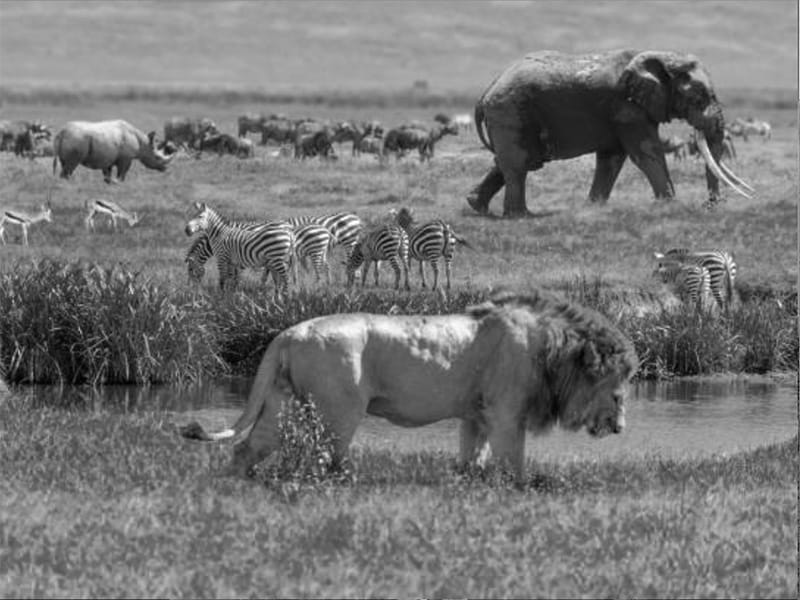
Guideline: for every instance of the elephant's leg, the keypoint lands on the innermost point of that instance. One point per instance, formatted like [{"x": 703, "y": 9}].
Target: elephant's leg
[
  {"x": 644, "y": 148},
  {"x": 514, "y": 162},
  {"x": 607, "y": 168},
  {"x": 480, "y": 196}
]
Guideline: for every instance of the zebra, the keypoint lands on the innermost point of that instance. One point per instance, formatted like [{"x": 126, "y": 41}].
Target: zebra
[
  {"x": 112, "y": 209},
  {"x": 201, "y": 251},
  {"x": 270, "y": 245},
  {"x": 24, "y": 220},
  {"x": 313, "y": 241},
  {"x": 428, "y": 242},
  {"x": 387, "y": 242},
  {"x": 690, "y": 282},
  {"x": 344, "y": 226},
  {"x": 720, "y": 265}
]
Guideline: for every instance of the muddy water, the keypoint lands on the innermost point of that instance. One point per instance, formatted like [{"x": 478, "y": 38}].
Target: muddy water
[{"x": 682, "y": 418}]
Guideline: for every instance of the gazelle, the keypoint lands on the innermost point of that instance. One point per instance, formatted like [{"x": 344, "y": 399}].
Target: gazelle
[
  {"x": 112, "y": 209},
  {"x": 24, "y": 220}
]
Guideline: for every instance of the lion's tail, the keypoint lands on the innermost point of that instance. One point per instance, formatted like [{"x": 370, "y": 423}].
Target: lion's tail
[{"x": 272, "y": 371}]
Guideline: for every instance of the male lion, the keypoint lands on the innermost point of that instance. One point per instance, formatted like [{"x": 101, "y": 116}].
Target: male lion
[{"x": 512, "y": 361}]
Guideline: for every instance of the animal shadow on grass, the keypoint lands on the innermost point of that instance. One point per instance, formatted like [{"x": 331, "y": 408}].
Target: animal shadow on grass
[{"x": 542, "y": 214}]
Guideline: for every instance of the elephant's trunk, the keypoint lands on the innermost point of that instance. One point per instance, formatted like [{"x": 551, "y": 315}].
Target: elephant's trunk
[{"x": 710, "y": 126}]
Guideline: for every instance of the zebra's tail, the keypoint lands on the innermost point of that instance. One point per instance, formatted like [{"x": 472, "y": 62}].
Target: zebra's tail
[{"x": 462, "y": 241}]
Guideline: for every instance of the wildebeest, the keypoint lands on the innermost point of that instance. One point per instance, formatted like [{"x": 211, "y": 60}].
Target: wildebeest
[
  {"x": 404, "y": 138},
  {"x": 22, "y": 137},
  {"x": 103, "y": 145},
  {"x": 370, "y": 144},
  {"x": 224, "y": 143},
  {"x": 188, "y": 131},
  {"x": 279, "y": 129},
  {"x": 315, "y": 143},
  {"x": 250, "y": 123}
]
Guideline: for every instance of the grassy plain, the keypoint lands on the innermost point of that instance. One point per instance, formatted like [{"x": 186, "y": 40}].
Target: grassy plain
[
  {"x": 109, "y": 504},
  {"x": 92, "y": 507}
]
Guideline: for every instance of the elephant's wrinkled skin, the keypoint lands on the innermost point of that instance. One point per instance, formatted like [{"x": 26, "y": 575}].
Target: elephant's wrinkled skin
[{"x": 552, "y": 106}]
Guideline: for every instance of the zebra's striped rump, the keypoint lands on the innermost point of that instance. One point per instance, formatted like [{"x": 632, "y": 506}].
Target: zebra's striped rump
[
  {"x": 720, "y": 266},
  {"x": 386, "y": 242},
  {"x": 313, "y": 241},
  {"x": 691, "y": 283},
  {"x": 428, "y": 242}
]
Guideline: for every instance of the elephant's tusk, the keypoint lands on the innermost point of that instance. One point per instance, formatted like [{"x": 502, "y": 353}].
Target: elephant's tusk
[
  {"x": 735, "y": 177},
  {"x": 702, "y": 144}
]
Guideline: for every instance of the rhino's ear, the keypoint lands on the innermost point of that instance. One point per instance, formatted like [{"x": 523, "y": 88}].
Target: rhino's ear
[{"x": 151, "y": 138}]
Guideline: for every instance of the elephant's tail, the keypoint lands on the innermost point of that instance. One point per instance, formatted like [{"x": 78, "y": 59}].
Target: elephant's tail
[{"x": 480, "y": 122}]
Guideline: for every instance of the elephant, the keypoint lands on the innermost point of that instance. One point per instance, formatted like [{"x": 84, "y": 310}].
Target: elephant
[
  {"x": 103, "y": 145},
  {"x": 554, "y": 106}
]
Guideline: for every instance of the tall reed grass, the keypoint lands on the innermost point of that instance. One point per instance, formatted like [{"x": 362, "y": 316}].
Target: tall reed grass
[{"x": 79, "y": 323}]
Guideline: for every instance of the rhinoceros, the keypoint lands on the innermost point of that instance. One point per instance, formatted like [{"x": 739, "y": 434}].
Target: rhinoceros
[{"x": 104, "y": 144}]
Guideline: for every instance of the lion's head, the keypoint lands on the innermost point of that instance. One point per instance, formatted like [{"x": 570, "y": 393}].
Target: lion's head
[{"x": 587, "y": 364}]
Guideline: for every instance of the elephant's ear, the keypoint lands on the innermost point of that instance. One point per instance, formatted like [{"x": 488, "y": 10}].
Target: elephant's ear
[{"x": 647, "y": 82}]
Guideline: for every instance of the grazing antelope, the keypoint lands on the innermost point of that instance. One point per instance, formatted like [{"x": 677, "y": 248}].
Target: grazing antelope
[
  {"x": 24, "y": 220},
  {"x": 112, "y": 209}
]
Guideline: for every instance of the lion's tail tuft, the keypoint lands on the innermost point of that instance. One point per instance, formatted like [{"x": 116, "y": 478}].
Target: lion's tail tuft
[
  {"x": 273, "y": 369},
  {"x": 195, "y": 431}
]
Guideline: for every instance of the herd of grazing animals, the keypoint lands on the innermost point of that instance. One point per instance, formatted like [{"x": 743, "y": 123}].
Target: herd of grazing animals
[{"x": 700, "y": 278}]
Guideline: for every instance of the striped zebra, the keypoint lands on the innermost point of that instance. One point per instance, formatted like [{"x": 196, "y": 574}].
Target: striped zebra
[
  {"x": 201, "y": 251},
  {"x": 24, "y": 220},
  {"x": 269, "y": 245},
  {"x": 312, "y": 242},
  {"x": 691, "y": 283},
  {"x": 428, "y": 242},
  {"x": 346, "y": 227},
  {"x": 386, "y": 242},
  {"x": 720, "y": 265}
]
